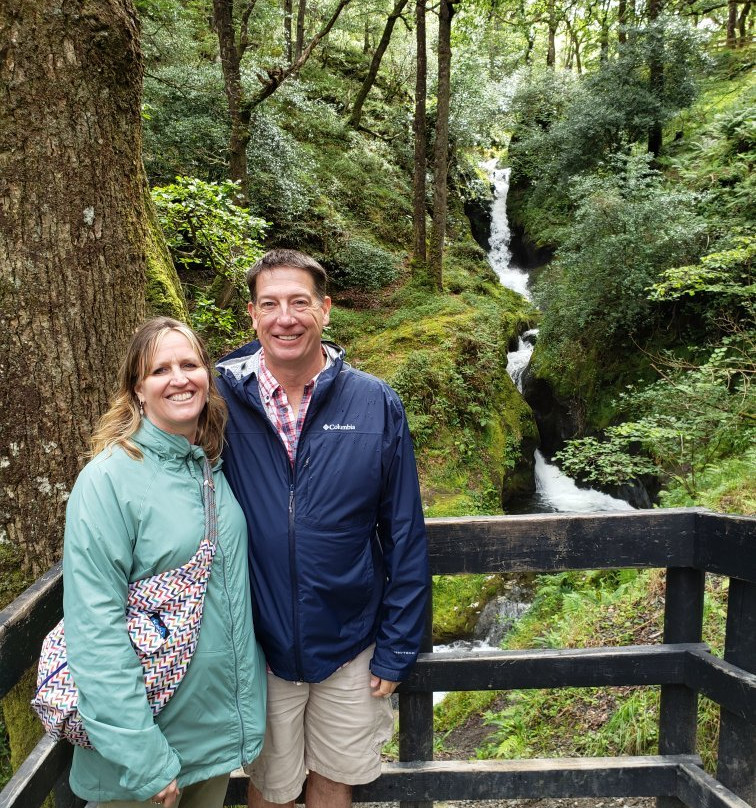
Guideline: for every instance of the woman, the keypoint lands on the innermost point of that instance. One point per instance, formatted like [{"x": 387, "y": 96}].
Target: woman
[{"x": 136, "y": 510}]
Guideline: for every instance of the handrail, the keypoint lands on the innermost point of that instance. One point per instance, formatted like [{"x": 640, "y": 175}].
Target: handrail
[{"x": 687, "y": 542}]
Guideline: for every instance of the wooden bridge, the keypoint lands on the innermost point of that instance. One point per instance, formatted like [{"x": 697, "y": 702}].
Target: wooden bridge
[{"x": 688, "y": 543}]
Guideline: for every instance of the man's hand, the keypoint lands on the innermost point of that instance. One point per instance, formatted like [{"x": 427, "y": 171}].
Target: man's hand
[{"x": 382, "y": 687}]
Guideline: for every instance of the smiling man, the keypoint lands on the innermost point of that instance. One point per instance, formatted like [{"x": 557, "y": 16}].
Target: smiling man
[{"x": 320, "y": 457}]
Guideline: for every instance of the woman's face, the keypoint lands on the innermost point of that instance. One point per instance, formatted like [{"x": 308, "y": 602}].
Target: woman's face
[{"x": 174, "y": 391}]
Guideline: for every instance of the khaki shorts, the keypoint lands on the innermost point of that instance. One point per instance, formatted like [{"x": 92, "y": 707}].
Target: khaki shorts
[{"x": 335, "y": 728}]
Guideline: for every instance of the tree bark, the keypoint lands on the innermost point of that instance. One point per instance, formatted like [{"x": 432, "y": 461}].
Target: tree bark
[
  {"x": 743, "y": 23},
  {"x": 732, "y": 24},
  {"x": 552, "y": 23},
  {"x": 656, "y": 76},
  {"x": 232, "y": 53},
  {"x": 73, "y": 224},
  {"x": 419, "y": 132},
  {"x": 287, "y": 29},
  {"x": 622, "y": 21},
  {"x": 375, "y": 63},
  {"x": 301, "y": 13},
  {"x": 441, "y": 146}
]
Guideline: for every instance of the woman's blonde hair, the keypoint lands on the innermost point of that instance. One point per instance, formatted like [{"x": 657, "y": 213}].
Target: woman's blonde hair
[{"x": 123, "y": 417}]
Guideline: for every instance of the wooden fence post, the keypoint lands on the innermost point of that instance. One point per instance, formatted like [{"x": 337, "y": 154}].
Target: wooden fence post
[
  {"x": 683, "y": 623},
  {"x": 416, "y": 719},
  {"x": 736, "y": 767}
]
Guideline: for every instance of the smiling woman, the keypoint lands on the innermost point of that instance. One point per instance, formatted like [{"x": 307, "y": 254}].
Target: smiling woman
[
  {"x": 174, "y": 392},
  {"x": 138, "y": 514}
]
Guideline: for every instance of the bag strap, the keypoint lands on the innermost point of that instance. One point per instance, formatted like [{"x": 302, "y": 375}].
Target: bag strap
[{"x": 208, "y": 499}]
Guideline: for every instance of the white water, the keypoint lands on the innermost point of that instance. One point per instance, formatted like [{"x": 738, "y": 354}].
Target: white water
[
  {"x": 499, "y": 255},
  {"x": 555, "y": 491}
]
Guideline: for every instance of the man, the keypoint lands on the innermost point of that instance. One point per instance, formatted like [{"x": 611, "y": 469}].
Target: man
[{"x": 319, "y": 456}]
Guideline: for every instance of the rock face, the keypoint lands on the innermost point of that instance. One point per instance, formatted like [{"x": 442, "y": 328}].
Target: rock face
[
  {"x": 557, "y": 420},
  {"x": 478, "y": 211},
  {"x": 498, "y": 617}
]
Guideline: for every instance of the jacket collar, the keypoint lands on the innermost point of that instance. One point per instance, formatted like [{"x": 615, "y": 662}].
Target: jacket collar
[
  {"x": 164, "y": 444},
  {"x": 243, "y": 363}
]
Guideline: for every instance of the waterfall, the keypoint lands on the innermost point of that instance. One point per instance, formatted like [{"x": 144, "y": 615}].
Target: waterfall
[
  {"x": 555, "y": 491},
  {"x": 499, "y": 255}
]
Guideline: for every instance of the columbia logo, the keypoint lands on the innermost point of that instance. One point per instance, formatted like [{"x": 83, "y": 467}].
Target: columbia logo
[{"x": 338, "y": 426}]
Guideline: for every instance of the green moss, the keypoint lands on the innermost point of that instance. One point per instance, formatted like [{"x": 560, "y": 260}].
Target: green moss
[
  {"x": 13, "y": 580},
  {"x": 23, "y": 727},
  {"x": 164, "y": 294}
]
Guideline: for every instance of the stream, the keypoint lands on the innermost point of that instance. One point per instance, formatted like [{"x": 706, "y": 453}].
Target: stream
[{"x": 555, "y": 491}]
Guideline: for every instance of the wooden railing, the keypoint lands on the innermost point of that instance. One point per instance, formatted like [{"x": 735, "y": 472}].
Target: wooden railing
[{"x": 688, "y": 543}]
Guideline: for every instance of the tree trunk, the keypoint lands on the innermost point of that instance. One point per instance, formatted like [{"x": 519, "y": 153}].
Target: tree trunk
[
  {"x": 419, "y": 132},
  {"x": 72, "y": 255},
  {"x": 301, "y": 12},
  {"x": 551, "y": 50},
  {"x": 354, "y": 118},
  {"x": 656, "y": 75},
  {"x": 239, "y": 115},
  {"x": 743, "y": 23},
  {"x": 622, "y": 21},
  {"x": 732, "y": 24},
  {"x": 441, "y": 146},
  {"x": 287, "y": 29}
]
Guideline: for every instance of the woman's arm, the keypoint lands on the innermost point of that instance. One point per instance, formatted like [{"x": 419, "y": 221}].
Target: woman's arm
[{"x": 97, "y": 560}]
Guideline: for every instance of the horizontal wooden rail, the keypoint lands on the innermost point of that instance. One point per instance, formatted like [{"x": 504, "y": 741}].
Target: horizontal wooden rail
[
  {"x": 38, "y": 774},
  {"x": 24, "y": 624},
  {"x": 580, "y": 667},
  {"x": 686, "y": 542},
  {"x": 549, "y": 542},
  {"x": 696, "y": 787},
  {"x": 729, "y": 686},
  {"x": 514, "y": 779},
  {"x": 725, "y": 545}
]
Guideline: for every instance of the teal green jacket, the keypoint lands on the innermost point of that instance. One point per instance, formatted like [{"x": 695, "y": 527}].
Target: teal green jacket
[{"x": 126, "y": 520}]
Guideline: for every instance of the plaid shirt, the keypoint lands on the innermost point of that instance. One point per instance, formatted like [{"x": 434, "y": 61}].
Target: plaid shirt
[{"x": 287, "y": 423}]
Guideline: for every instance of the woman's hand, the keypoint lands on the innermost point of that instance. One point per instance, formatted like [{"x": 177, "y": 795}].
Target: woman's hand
[{"x": 168, "y": 796}]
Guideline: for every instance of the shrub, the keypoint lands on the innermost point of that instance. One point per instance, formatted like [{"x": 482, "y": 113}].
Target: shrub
[{"x": 364, "y": 265}]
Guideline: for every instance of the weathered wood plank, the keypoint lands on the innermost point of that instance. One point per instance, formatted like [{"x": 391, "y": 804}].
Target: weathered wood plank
[
  {"x": 724, "y": 544},
  {"x": 513, "y": 779},
  {"x": 24, "y": 624},
  {"x": 736, "y": 761},
  {"x": 697, "y": 789},
  {"x": 37, "y": 775},
  {"x": 521, "y": 779},
  {"x": 578, "y": 667},
  {"x": 545, "y": 542},
  {"x": 678, "y": 706},
  {"x": 728, "y": 685}
]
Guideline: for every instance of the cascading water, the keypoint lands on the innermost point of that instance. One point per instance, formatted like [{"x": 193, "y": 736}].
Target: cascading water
[{"x": 555, "y": 491}]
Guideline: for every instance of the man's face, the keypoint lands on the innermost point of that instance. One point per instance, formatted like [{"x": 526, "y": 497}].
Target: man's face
[{"x": 289, "y": 320}]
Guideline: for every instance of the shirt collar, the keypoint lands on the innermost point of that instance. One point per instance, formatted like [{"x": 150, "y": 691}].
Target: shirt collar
[{"x": 268, "y": 382}]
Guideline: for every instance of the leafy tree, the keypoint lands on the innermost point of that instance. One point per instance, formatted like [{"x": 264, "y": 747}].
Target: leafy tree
[
  {"x": 235, "y": 41},
  {"x": 209, "y": 235},
  {"x": 375, "y": 63},
  {"x": 626, "y": 230}
]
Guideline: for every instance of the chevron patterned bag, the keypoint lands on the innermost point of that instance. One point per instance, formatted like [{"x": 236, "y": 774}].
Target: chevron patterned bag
[{"x": 163, "y": 615}]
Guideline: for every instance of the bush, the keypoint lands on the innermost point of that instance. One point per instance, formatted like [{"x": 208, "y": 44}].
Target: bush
[{"x": 363, "y": 265}]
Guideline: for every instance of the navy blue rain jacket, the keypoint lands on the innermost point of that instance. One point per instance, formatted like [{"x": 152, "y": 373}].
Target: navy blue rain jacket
[{"x": 337, "y": 546}]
